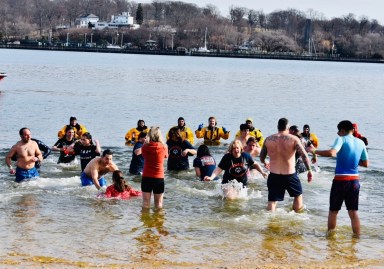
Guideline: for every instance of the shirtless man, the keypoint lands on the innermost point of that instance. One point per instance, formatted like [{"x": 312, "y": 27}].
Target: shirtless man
[
  {"x": 281, "y": 148},
  {"x": 28, "y": 153},
  {"x": 97, "y": 168}
]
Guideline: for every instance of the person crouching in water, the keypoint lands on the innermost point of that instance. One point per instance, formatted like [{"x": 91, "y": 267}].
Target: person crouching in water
[{"x": 120, "y": 189}]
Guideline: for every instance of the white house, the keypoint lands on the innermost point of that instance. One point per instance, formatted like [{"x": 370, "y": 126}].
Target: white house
[
  {"x": 117, "y": 21},
  {"x": 83, "y": 22}
]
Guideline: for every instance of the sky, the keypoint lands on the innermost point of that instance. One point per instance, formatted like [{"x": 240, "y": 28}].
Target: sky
[{"x": 373, "y": 9}]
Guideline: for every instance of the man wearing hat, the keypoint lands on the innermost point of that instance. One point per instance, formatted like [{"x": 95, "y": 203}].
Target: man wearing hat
[
  {"x": 256, "y": 133},
  {"x": 79, "y": 129},
  {"x": 186, "y": 132}
]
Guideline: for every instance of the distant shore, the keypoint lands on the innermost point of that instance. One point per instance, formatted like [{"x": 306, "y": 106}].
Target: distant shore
[{"x": 218, "y": 53}]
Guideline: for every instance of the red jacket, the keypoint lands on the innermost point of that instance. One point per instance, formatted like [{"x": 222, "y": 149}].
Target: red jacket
[
  {"x": 154, "y": 154},
  {"x": 111, "y": 192},
  {"x": 358, "y": 135}
]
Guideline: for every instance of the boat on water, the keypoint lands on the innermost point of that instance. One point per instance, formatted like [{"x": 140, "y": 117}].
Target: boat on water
[
  {"x": 111, "y": 46},
  {"x": 204, "y": 49},
  {"x": 2, "y": 75}
]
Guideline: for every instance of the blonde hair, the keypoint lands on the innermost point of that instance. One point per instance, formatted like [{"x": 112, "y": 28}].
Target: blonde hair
[
  {"x": 235, "y": 143},
  {"x": 154, "y": 135}
]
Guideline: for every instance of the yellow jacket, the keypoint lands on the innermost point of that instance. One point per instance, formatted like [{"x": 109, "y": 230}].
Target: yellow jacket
[
  {"x": 313, "y": 138},
  {"x": 211, "y": 136},
  {"x": 256, "y": 134},
  {"x": 186, "y": 134},
  {"x": 133, "y": 134},
  {"x": 79, "y": 131}
]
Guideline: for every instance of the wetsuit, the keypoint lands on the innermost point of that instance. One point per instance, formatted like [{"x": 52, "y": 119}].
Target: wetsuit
[{"x": 86, "y": 153}]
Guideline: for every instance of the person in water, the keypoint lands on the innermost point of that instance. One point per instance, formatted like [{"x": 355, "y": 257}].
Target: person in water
[
  {"x": 67, "y": 154},
  {"x": 77, "y": 128},
  {"x": 244, "y": 134},
  {"x": 309, "y": 137},
  {"x": 236, "y": 165},
  {"x": 154, "y": 152},
  {"x": 95, "y": 170},
  {"x": 256, "y": 133},
  {"x": 211, "y": 134},
  {"x": 86, "y": 149},
  {"x": 28, "y": 153},
  {"x": 119, "y": 188},
  {"x": 178, "y": 151},
  {"x": 281, "y": 149},
  {"x": 185, "y": 132},
  {"x": 45, "y": 151},
  {"x": 358, "y": 135},
  {"x": 350, "y": 153},
  {"x": 132, "y": 136},
  {"x": 204, "y": 163},
  {"x": 252, "y": 147},
  {"x": 300, "y": 166},
  {"x": 137, "y": 162}
]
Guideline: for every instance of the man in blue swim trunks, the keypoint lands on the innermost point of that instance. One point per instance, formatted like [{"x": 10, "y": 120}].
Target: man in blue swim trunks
[
  {"x": 350, "y": 153},
  {"x": 28, "y": 153},
  {"x": 281, "y": 149},
  {"x": 95, "y": 170}
]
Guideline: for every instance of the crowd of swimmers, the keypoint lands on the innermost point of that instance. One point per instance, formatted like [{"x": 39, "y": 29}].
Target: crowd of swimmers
[{"x": 284, "y": 155}]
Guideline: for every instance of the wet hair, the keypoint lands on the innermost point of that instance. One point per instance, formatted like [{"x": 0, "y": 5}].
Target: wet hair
[
  {"x": 282, "y": 124},
  {"x": 88, "y": 136},
  {"x": 174, "y": 132},
  {"x": 294, "y": 129},
  {"x": 251, "y": 139},
  {"x": 107, "y": 152},
  {"x": 235, "y": 143},
  {"x": 203, "y": 150},
  {"x": 68, "y": 128},
  {"x": 244, "y": 126},
  {"x": 21, "y": 131},
  {"x": 154, "y": 134},
  {"x": 119, "y": 182},
  {"x": 345, "y": 125},
  {"x": 142, "y": 135}
]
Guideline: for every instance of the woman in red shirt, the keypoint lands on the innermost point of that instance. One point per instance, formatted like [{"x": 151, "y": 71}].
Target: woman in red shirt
[
  {"x": 120, "y": 189},
  {"x": 154, "y": 152}
]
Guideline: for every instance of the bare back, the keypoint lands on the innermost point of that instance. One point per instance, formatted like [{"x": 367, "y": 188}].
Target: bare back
[
  {"x": 96, "y": 168},
  {"x": 281, "y": 148}
]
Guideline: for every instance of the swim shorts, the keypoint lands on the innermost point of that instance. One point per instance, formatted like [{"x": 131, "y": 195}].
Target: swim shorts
[
  {"x": 278, "y": 184},
  {"x": 23, "y": 174},
  {"x": 86, "y": 181},
  {"x": 344, "y": 190},
  {"x": 155, "y": 185}
]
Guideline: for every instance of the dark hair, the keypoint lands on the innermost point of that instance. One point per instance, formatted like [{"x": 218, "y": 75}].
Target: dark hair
[
  {"x": 244, "y": 126},
  {"x": 306, "y": 126},
  {"x": 251, "y": 139},
  {"x": 21, "y": 131},
  {"x": 88, "y": 136},
  {"x": 142, "y": 135},
  {"x": 174, "y": 132},
  {"x": 203, "y": 150},
  {"x": 212, "y": 118},
  {"x": 72, "y": 119},
  {"x": 69, "y": 127},
  {"x": 107, "y": 152},
  {"x": 138, "y": 122},
  {"x": 119, "y": 182},
  {"x": 345, "y": 125},
  {"x": 282, "y": 124}
]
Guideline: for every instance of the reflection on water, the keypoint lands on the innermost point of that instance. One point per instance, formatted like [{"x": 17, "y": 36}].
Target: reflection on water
[{"x": 149, "y": 241}]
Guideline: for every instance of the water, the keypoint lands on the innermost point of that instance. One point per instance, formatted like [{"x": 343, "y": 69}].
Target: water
[{"x": 54, "y": 222}]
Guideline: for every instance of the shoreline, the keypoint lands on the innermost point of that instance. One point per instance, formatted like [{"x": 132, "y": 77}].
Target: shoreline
[{"x": 224, "y": 54}]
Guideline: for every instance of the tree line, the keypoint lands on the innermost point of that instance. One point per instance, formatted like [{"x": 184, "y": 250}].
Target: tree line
[{"x": 180, "y": 24}]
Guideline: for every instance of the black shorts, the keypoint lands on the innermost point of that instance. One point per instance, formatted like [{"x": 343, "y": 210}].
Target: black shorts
[
  {"x": 344, "y": 190},
  {"x": 155, "y": 185},
  {"x": 278, "y": 184}
]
